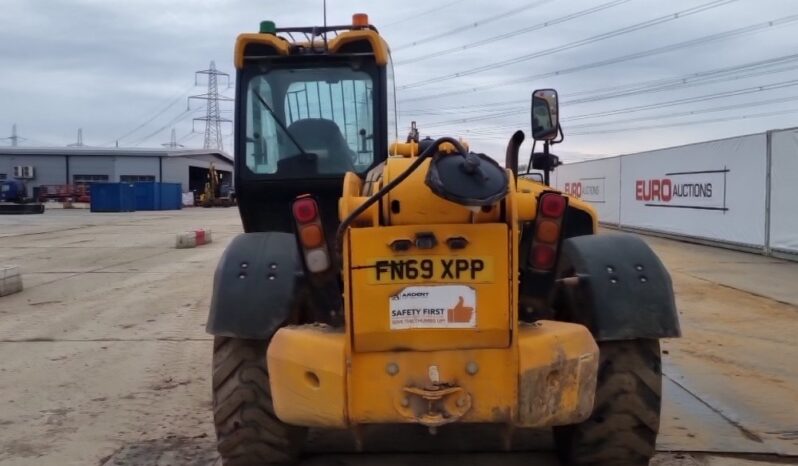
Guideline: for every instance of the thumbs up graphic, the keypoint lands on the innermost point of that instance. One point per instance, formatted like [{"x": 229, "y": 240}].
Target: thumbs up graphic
[{"x": 459, "y": 313}]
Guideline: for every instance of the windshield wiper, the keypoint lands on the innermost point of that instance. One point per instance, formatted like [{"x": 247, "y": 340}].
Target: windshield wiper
[{"x": 280, "y": 123}]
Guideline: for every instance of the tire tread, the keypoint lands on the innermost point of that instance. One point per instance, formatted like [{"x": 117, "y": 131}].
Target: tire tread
[
  {"x": 622, "y": 430},
  {"x": 248, "y": 431}
]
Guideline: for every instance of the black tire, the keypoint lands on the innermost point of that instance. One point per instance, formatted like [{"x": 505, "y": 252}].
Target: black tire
[
  {"x": 622, "y": 430},
  {"x": 247, "y": 430}
]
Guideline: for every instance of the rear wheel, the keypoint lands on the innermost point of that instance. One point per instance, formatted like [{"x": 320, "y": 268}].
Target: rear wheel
[
  {"x": 247, "y": 430},
  {"x": 622, "y": 430}
]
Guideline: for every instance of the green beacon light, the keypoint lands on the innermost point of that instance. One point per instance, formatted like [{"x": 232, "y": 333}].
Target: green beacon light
[{"x": 268, "y": 27}]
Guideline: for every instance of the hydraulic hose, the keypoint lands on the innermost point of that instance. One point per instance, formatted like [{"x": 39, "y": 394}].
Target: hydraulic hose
[{"x": 426, "y": 153}]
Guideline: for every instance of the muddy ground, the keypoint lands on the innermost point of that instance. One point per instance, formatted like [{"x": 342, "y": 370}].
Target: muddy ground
[{"x": 104, "y": 358}]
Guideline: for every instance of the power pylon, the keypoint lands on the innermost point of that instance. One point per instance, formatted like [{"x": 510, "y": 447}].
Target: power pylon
[
  {"x": 79, "y": 142},
  {"x": 14, "y": 138},
  {"x": 172, "y": 144},
  {"x": 213, "y": 115}
]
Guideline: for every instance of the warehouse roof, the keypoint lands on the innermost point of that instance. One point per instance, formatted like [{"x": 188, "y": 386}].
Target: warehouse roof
[{"x": 113, "y": 151}]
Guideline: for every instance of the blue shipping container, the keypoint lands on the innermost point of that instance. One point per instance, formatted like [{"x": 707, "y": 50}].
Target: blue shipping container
[
  {"x": 148, "y": 195},
  {"x": 113, "y": 197},
  {"x": 158, "y": 196},
  {"x": 171, "y": 196}
]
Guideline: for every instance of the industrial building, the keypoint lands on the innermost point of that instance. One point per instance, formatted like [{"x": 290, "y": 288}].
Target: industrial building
[{"x": 37, "y": 166}]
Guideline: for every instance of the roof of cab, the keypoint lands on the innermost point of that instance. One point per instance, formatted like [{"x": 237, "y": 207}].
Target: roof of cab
[{"x": 283, "y": 43}]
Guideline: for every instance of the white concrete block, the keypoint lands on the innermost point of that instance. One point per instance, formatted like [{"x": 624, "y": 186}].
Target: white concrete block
[
  {"x": 192, "y": 239},
  {"x": 186, "y": 240},
  {"x": 10, "y": 280}
]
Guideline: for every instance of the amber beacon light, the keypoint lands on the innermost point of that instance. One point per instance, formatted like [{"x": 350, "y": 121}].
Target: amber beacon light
[{"x": 360, "y": 19}]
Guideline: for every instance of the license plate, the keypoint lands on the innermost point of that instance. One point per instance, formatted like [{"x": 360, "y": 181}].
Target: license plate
[{"x": 421, "y": 269}]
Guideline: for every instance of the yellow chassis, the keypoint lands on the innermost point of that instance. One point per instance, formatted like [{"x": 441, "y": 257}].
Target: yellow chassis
[{"x": 546, "y": 377}]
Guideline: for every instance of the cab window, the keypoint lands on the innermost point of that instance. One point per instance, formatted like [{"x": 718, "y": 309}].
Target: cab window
[{"x": 310, "y": 121}]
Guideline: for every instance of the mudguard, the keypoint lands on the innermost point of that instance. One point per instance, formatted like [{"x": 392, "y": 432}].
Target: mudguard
[
  {"x": 254, "y": 286},
  {"x": 623, "y": 291}
]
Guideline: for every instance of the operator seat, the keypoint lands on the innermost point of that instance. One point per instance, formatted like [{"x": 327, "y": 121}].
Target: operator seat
[{"x": 324, "y": 138}]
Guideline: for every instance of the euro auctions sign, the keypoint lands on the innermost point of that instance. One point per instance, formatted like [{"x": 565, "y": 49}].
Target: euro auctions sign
[
  {"x": 588, "y": 189},
  {"x": 596, "y": 182},
  {"x": 713, "y": 190},
  {"x": 703, "y": 190}
]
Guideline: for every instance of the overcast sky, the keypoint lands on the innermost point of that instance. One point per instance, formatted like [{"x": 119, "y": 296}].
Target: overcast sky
[{"x": 109, "y": 66}]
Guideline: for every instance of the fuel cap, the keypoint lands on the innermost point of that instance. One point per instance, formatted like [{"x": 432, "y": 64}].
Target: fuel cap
[{"x": 473, "y": 180}]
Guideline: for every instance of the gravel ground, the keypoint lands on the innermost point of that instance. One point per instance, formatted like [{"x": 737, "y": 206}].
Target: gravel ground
[{"x": 104, "y": 358}]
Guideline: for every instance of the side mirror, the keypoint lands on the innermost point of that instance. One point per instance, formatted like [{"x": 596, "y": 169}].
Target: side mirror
[{"x": 545, "y": 114}]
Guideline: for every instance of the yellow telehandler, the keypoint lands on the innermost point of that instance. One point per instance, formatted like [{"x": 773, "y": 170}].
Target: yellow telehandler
[{"x": 384, "y": 283}]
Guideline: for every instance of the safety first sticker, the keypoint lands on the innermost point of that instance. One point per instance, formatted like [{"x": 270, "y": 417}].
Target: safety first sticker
[{"x": 444, "y": 306}]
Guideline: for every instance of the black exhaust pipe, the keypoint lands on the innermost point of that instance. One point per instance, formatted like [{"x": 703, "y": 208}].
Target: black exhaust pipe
[{"x": 511, "y": 157}]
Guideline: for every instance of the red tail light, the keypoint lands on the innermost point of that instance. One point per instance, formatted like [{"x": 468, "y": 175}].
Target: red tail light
[
  {"x": 543, "y": 256},
  {"x": 552, "y": 205},
  {"x": 305, "y": 210},
  {"x": 548, "y": 231},
  {"x": 310, "y": 233}
]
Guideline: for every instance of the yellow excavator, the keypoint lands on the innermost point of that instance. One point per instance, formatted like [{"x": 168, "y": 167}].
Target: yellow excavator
[
  {"x": 416, "y": 283},
  {"x": 217, "y": 193}
]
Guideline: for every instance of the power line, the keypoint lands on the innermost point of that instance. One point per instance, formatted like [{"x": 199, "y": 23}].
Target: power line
[
  {"x": 592, "y": 128},
  {"x": 680, "y": 86},
  {"x": 187, "y": 136},
  {"x": 571, "y": 128},
  {"x": 724, "y": 108},
  {"x": 416, "y": 15},
  {"x": 715, "y": 72},
  {"x": 633, "y": 109},
  {"x": 688, "y": 100},
  {"x": 571, "y": 45},
  {"x": 714, "y": 76},
  {"x": 178, "y": 118},
  {"x": 152, "y": 118},
  {"x": 685, "y": 123},
  {"x": 514, "y": 33},
  {"x": 758, "y": 27},
  {"x": 488, "y": 116},
  {"x": 473, "y": 25}
]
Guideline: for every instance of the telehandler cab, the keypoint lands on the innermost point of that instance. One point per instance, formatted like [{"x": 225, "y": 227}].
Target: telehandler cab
[{"x": 417, "y": 282}]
